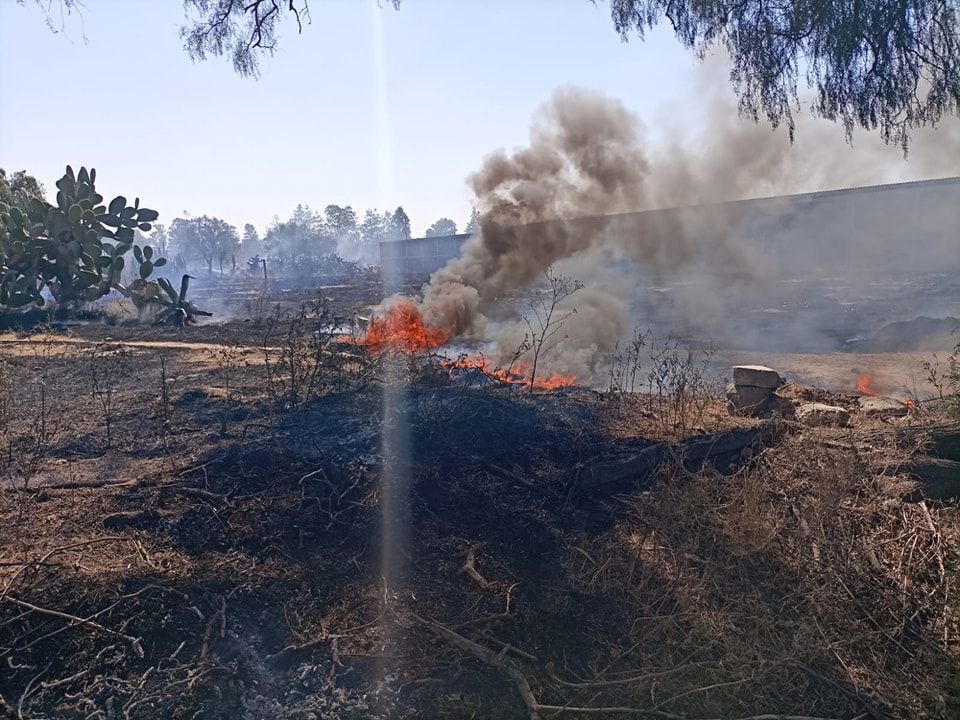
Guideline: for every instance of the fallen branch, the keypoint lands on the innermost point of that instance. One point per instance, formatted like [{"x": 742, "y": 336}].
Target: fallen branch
[
  {"x": 470, "y": 568},
  {"x": 535, "y": 708},
  {"x": 74, "y": 619},
  {"x": 497, "y": 660},
  {"x": 221, "y": 615},
  {"x": 73, "y": 485}
]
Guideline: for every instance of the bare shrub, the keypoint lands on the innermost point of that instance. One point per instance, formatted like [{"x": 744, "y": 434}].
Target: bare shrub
[
  {"x": 258, "y": 307},
  {"x": 34, "y": 401},
  {"x": 625, "y": 365},
  {"x": 945, "y": 377},
  {"x": 305, "y": 354},
  {"x": 109, "y": 365},
  {"x": 547, "y": 320},
  {"x": 678, "y": 386}
]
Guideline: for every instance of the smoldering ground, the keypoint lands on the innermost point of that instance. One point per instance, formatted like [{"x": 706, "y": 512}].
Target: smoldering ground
[{"x": 567, "y": 202}]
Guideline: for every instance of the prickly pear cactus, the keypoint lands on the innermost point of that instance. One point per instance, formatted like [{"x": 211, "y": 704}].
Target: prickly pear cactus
[{"x": 75, "y": 248}]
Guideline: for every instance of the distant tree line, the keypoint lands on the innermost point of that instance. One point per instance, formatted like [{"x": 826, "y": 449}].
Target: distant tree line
[{"x": 307, "y": 243}]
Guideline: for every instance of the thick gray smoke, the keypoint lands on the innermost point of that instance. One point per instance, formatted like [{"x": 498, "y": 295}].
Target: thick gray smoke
[{"x": 563, "y": 202}]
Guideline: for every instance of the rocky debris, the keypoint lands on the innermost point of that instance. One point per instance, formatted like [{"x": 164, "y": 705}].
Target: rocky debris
[
  {"x": 758, "y": 376},
  {"x": 746, "y": 399},
  {"x": 779, "y": 406},
  {"x": 883, "y": 407},
  {"x": 752, "y": 393},
  {"x": 821, "y": 415}
]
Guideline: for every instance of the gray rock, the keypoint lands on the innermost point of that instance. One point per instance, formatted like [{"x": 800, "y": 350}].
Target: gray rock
[
  {"x": 746, "y": 399},
  {"x": 819, "y": 414},
  {"x": 781, "y": 407},
  {"x": 883, "y": 407},
  {"x": 756, "y": 375}
]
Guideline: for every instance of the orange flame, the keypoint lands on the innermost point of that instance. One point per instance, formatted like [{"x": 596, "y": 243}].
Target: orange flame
[
  {"x": 863, "y": 386},
  {"x": 401, "y": 328},
  {"x": 909, "y": 402},
  {"x": 519, "y": 374}
]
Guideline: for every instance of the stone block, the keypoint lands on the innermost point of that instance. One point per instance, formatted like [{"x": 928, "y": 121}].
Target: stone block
[
  {"x": 883, "y": 407},
  {"x": 746, "y": 399},
  {"x": 756, "y": 375},
  {"x": 820, "y": 415}
]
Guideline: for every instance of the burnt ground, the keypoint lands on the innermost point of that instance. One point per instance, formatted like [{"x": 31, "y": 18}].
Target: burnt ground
[{"x": 275, "y": 525}]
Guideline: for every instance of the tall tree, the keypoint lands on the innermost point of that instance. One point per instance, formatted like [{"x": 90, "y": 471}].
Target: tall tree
[
  {"x": 443, "y": 226},
  {"x": 399, "y": 228},
  {"x": 304, "y": 234},
  {"x": 18, "y": 188},
  {"x": 243, "y": 31},
  {"x": 374, "y": 230},
  {"x": 473, "y": 224},
  {"x": 341, "y": 223},
  {"x": 250, "y": 239},
  {"x": 207, "y": 239},
  {"x": 875, "y": 64},
  {"x": 159, "y": 238}
]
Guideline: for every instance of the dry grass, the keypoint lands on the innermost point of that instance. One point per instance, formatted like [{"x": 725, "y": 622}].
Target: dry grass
[
  {"x": 797, "y": 582},
  {"x": 801, "y": 584}
]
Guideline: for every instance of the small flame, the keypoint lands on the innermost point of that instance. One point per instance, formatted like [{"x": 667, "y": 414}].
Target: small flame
[
  {"x": 909, "y": 402},
  {"x": 402, "y": 328},
  {"x": 519, "y": 374},
  {"x": 863, "y": 386}
]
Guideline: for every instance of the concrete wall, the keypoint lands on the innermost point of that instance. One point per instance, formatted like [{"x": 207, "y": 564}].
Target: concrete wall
[
  {"x": 405, "y": 260},
  {"x": 912, "y": 226}
]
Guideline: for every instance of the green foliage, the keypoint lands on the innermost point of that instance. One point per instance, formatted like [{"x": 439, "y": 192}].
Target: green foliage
[
  {"x": 399, "y": 225},
  {"x": 75, "y": 248},
  {"x": 443, "y": 226},
  {"x": 240, "y": 30},
  {"x": 19, "y": 189},
  {"x": 473, "y": 224},
  {"x": 208, "y": 239},
  {"x": 178, "y": 309},
  {"x": 305, "y": 234},
  {"x": 877, "y": 65}
]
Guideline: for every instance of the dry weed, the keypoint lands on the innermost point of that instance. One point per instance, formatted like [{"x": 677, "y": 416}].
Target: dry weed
[{"x": 795, "y": 581}]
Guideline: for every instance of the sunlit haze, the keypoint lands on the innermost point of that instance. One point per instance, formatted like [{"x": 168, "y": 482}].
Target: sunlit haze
[{"x": 369, "y": 107}]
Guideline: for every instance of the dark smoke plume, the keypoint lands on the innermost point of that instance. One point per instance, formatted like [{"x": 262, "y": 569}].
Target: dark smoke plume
[{"x": 566, "y": 200}]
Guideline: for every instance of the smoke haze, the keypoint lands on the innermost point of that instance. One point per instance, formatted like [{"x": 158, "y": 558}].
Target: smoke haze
[{"x": 562, "y": 201}]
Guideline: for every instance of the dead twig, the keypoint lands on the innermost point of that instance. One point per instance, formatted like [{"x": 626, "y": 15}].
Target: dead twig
[
  {"x": 628, "y": 680},
  {"x": 497, "y": 660},
  {"x": 470, "y": 568},
  {"x": 85, "y": 622},
  {"x": 221, "y": 616}
]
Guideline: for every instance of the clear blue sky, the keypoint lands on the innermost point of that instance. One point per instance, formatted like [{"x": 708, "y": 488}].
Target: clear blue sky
[{"x": 369, "y": 107}]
